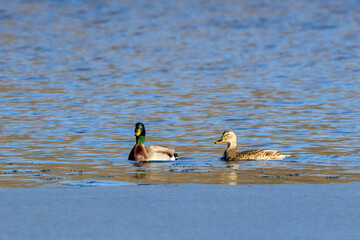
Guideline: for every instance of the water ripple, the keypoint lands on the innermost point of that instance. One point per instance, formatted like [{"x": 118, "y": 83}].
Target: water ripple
[{"x": 77, "y": 75}]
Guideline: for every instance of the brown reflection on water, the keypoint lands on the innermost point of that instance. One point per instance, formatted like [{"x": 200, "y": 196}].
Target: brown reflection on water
[{"x": 49, "y": 175}]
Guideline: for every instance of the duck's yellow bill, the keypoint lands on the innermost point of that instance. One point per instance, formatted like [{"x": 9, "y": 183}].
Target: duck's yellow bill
[
  {"x": 219, "y": 141},
  {"x": 137, "y": 132}
]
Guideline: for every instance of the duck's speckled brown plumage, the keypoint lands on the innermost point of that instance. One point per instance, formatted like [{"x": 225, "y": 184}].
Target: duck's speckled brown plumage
[{"x": 231, "y": 153}]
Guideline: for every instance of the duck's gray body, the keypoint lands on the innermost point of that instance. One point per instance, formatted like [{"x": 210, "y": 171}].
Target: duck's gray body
[{"x": 150, "y": 153}]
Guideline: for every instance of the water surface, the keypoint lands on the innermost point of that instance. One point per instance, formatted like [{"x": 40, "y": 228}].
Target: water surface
[{"x": 77, "y": 75}]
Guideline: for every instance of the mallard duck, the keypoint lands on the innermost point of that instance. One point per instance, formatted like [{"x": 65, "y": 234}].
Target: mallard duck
[
  {"x": 231, "y": 153},
  {"x": 149, "y": 153}
]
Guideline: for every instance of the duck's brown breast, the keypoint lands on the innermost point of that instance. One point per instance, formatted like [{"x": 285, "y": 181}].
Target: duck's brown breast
[{"x": 140, "y": 153}]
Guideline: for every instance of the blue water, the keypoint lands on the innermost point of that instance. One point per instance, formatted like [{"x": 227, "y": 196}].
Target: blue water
[{"x": 77, "y": 75}]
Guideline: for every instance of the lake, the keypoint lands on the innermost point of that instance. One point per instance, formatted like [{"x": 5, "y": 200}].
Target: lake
[{"x": 77, "y": 75}]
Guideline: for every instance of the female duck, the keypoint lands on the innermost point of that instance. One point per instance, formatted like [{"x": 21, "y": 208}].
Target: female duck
[
  {"x": 149, "y": 153},
  {"x": 231, "y": 153}
]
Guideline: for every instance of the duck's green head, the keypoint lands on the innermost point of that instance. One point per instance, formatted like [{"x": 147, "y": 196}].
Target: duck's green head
[{"x": 140, "y": 129}]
